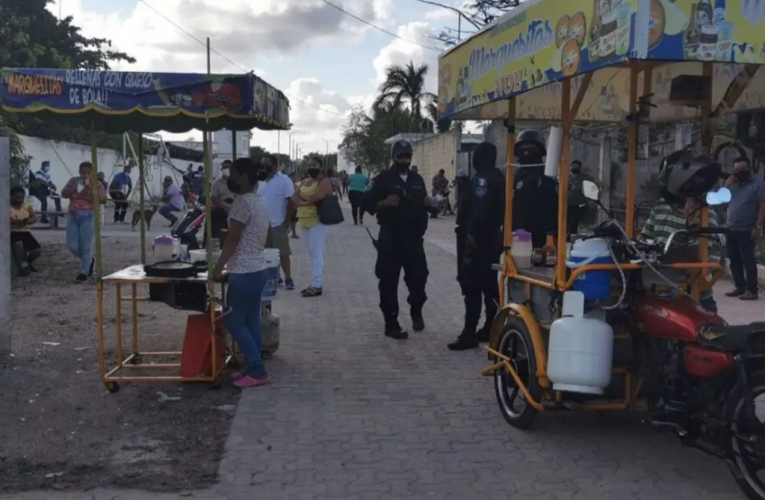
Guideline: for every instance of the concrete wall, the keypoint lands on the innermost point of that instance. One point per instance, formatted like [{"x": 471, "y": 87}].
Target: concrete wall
[
  {"x": 65, "y": 159},
  {"x": 435, "y": 153}
]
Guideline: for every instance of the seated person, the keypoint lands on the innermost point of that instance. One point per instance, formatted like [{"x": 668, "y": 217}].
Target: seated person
[
  {"x": 172, "y": 200},
  {"x": 222, "y": 198},
  {"x": 665, "y": 219},
  {"x": 24, "y": 246}
]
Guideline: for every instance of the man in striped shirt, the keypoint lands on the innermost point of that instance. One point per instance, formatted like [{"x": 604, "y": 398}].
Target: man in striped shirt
[{"x": 665, "y": 219}]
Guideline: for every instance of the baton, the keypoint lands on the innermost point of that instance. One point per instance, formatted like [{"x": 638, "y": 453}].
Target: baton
[{"x": 374, "y": 241}]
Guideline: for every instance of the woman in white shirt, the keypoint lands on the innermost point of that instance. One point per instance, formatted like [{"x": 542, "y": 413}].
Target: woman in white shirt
[{"x": 242, "y": 256}]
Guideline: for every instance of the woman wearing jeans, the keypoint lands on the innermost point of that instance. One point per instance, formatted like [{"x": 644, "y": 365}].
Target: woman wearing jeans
[
  {"x": 80, "y": 223},
  {"x": 306, "y": 198},
  {"x": 242, "y": 256}
]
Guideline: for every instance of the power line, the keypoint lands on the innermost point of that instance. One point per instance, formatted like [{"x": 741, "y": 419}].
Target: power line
[
  {"x": 383, "y": 30},
  {"x": 228, "y": 60}
]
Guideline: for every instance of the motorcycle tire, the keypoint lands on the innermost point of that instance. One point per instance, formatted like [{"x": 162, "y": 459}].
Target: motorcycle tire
[
  {"x": 741, "y": 466},
  {"x": 516, "y": 336}
]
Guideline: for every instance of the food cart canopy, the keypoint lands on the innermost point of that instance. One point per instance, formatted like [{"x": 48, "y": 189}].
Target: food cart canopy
[
  {"x": 531, "y": 49},
  {"x": 118, "y": 101}
]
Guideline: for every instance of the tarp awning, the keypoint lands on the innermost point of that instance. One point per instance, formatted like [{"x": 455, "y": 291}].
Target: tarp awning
[{"x": 117, "y": 102}]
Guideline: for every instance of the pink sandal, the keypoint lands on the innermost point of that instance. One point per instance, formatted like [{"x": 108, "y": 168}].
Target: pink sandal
[{"x": 247, "y": 381}]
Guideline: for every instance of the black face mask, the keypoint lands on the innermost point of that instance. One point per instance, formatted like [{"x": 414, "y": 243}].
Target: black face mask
[
  {"x": 233, "y": 186},
  {"x": 743, "y": 175},
  {"x": 402, "y": 168},
  {"x": 313, "y": 172},
  {"x": 262, "y": 175},
  {"x": 576, "y": 170}
]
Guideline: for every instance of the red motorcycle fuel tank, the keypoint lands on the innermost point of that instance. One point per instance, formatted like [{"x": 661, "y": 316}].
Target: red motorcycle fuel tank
[{"x": 676, "y": 318}]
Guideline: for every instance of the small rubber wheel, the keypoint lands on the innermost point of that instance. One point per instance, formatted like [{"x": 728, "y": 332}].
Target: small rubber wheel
[
  {"x": 515, "y": 343},
  {"x": 112, "y": 387}
]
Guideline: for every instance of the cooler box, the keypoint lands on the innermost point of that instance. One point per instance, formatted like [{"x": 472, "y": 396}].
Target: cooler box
[{"x": 595, "y": 285}]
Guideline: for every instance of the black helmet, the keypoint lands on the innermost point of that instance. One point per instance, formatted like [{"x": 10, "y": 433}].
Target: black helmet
[
  {"x": 685, "y": 176},
  {"x": 530, "y": 138}
]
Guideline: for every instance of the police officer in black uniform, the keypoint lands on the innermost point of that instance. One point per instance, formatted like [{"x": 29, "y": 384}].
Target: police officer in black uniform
[
  {"x": 399, "y": 198},
  {"x": 479, "y": 245},
  {"x": 535, "y": 199}
]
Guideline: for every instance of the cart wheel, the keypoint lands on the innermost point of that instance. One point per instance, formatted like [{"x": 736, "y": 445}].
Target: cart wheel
[
  {"x": 112, "y": 387},
  {"x": 515, "y": 343}
]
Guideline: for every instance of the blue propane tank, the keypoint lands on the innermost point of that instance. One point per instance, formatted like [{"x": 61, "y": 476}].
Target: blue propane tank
[{"x": 595, "y": 285}]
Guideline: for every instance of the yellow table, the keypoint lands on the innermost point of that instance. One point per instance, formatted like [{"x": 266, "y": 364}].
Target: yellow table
[{"x": 134, "y": 362}]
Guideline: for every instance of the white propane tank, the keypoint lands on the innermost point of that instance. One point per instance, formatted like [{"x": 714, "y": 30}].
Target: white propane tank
[{"x": 580, "y": 355}]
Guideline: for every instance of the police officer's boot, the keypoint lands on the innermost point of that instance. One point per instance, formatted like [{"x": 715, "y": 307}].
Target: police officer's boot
[
  {"x": 394, "y": 330},
  {"x": 468, "y": 339},
  {"x": 418, "y": 323}
]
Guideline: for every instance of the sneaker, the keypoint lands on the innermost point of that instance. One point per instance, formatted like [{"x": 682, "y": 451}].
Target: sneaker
[
  {"x": 280, "y": 282},
  {"x": 395, "y": 331},
  {"x": 418, "y": 323},
  {"x": 92, "y": 267},
  {"x": 81, "y": 278},
  {"x": 735, "y": 293},
  {"x": 289, "y": 284},
  {"x": 750, "y": 296},
  {"x": 237, "y": 376},
  {"x": 247, "y": 381},
  {"x": 463, "y": 343}
]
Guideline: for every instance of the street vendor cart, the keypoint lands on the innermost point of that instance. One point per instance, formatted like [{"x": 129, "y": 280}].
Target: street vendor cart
[
  {"x": 117, "y": 102},
  {"x": 645, "y": 344}
]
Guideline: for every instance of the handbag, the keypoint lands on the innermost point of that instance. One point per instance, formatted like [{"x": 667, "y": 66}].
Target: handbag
[{"x": 329, "y": 211}]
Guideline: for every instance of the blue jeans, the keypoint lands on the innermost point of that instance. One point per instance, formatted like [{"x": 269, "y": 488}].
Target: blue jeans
[
  {"x": 80, "y": 228},
  {"x": 242, "y": 320},
  {"x": 167, "y": 212}
]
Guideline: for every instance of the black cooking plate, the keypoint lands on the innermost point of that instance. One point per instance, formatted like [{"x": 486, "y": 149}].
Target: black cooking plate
[{"x": 171, "y": 269}]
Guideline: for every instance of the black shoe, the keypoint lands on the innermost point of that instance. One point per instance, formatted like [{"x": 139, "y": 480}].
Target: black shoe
[
  {"x": 418, "y": 324},
  {"x": 81, "y": 278},
  {"x": 463, "y": 343},
  {"x": 395, "y": 331},
  {"x": 92, "y": 267},
  {"x": 32, "y": 268}
]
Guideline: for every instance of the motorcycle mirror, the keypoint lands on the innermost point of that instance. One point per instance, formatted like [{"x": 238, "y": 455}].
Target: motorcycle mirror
[
  {"x": 719, "y": 197},
  {"x": 590, "y": 190}
]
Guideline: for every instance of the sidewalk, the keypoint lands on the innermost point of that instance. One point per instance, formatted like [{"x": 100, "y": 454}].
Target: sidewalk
[{"x": 353, "y": 415}]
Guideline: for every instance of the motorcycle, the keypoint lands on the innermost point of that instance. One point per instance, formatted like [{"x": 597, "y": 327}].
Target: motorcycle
[{"x": 699, "y": 377}]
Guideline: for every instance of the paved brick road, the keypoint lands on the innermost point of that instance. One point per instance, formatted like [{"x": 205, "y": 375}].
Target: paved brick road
[{"x": 353, "y": 415}]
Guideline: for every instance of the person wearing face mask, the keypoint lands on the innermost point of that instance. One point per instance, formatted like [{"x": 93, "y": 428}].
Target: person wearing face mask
[
  {"x": 307, "y": 197},
  {"x": 535, "y": 199},
  {"x": 83, "y": 192},
  {"x": 399, "y": 198},
  {"x": 277, "y": 189},
  {"x": 480, "y": 218},
  {"x": 43, "y": 188},
  {"x": 746, "y": 217}
]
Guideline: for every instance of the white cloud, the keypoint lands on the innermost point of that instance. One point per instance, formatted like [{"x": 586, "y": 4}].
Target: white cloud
[
  {"x": 400, "y": 51},
  {"x": 440, "y": 15}
]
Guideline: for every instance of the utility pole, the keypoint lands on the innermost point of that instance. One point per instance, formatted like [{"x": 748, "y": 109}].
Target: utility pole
[{"x": 5, "y": 249}]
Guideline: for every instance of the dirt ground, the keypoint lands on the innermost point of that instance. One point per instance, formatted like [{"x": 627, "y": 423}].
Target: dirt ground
[{"x": 60, "y": 429}]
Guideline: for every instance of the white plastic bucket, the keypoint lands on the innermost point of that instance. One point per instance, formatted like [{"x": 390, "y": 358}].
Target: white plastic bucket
[{"x": 271, "y": 256}]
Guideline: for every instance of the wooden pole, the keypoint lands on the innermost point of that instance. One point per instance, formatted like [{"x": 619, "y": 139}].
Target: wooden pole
[
  {"x": 208, "y": 215},
  {"x": 632, "y": 151},
  {"x": 509, "y": 266},
  {"x": 142, "y": 197},
  {"x": 566, "y": 120},
  {"x": 95, "y": 186}
]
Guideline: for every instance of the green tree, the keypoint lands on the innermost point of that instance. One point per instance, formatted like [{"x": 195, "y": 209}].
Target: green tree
[
  {"x": 405, "y": 85},
  {"x": 32, "y": 37}
]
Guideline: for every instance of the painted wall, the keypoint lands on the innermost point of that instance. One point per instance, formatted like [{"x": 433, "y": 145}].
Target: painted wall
[{"x": 65, "y": 159}]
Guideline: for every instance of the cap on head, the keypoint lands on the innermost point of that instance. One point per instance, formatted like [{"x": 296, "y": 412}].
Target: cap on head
[
  {"x": 401, "y": 147},
  {"x": 485, "y": 156}
]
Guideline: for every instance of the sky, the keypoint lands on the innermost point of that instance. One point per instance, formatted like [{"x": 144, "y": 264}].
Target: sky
[{"x": 326, "y": 61}]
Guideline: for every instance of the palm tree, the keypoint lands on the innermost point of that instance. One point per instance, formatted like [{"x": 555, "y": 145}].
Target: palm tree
[
  {"x": 405, "y": 85},
  {"x": 441, "y": 125}
]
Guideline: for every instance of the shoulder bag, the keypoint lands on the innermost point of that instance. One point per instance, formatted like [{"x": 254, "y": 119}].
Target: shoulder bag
[{"x": 329, "y": 211}]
